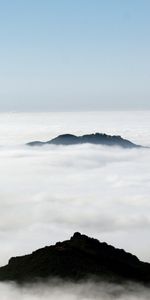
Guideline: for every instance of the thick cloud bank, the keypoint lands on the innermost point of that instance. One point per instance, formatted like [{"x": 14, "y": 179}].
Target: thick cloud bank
[
  {"x": 68, "y": 291},
  {"x": 48, "y": 193}
]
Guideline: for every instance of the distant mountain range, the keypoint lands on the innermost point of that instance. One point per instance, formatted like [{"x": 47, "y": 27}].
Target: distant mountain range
[
  {"x": 97, "y": 139},
  {"x": 79, "y": 258}
]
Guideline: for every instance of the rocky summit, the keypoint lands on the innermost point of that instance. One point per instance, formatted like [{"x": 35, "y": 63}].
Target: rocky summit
[
  {"x": 81, "y": 257},
  {"x": 97, "y": 139}
]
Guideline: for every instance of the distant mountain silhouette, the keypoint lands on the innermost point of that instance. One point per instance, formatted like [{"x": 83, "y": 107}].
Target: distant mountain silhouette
[
  {"x": 80, "y": 257},
  {"x": 97, "y": 139}
]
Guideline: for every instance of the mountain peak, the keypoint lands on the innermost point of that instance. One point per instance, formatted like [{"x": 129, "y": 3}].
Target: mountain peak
[
  {"x": 80, "y": 257},
  {"x": 76, "y": 235},
  {"x": 94, "y": 138}
]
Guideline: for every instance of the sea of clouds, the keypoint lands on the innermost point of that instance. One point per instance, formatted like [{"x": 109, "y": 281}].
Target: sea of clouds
[
  {"x": 55, "y": 289},
  {"x": 47, "y": 193}
]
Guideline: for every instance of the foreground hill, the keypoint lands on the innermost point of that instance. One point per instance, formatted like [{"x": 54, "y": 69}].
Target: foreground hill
[
  {"x": 80, "y": 257},
  {"x": 97, "y": 138}
]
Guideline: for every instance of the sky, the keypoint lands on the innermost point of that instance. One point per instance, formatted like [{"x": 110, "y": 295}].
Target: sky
[{"x": 67, "y": 55}]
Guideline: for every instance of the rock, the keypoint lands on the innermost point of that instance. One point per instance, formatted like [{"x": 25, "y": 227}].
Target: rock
[
  {"x": 97, "y": 139},
  {"x": 81, "y": 257}
]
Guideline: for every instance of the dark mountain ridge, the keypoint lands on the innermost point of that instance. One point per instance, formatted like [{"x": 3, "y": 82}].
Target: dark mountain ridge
[
  {"x": 79, "y": 258},
  {"x": 97, "y": 139}
]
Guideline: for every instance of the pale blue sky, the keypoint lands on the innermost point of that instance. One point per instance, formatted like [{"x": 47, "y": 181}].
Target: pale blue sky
[{"x": 74, "y": 55}]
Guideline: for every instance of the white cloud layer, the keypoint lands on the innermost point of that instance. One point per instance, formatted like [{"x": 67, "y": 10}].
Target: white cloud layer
[
  {"x": 54, "y": 290},
  {"x": 48, "y": 193}
]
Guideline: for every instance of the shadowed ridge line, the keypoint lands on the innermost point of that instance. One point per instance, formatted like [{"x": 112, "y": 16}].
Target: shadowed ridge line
[
  {"x": 79, "y": 258},
  {"x": 96, "y": 139}
]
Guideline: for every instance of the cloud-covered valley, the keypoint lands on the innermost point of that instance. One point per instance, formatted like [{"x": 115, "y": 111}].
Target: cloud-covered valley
[
  {"x": 49, "y": 192},
  {"x": 90, "y": 290}
]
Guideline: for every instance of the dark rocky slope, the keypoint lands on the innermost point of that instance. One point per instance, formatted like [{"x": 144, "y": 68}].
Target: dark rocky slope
[
  {"x": 97, "y": 138},
  {"x": 80, "y": 257}
]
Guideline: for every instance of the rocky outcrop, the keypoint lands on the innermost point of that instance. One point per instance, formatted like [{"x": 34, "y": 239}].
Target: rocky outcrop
[
  {"x": 79, "y": 258},
  {"x": 97, "y": 139}
]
